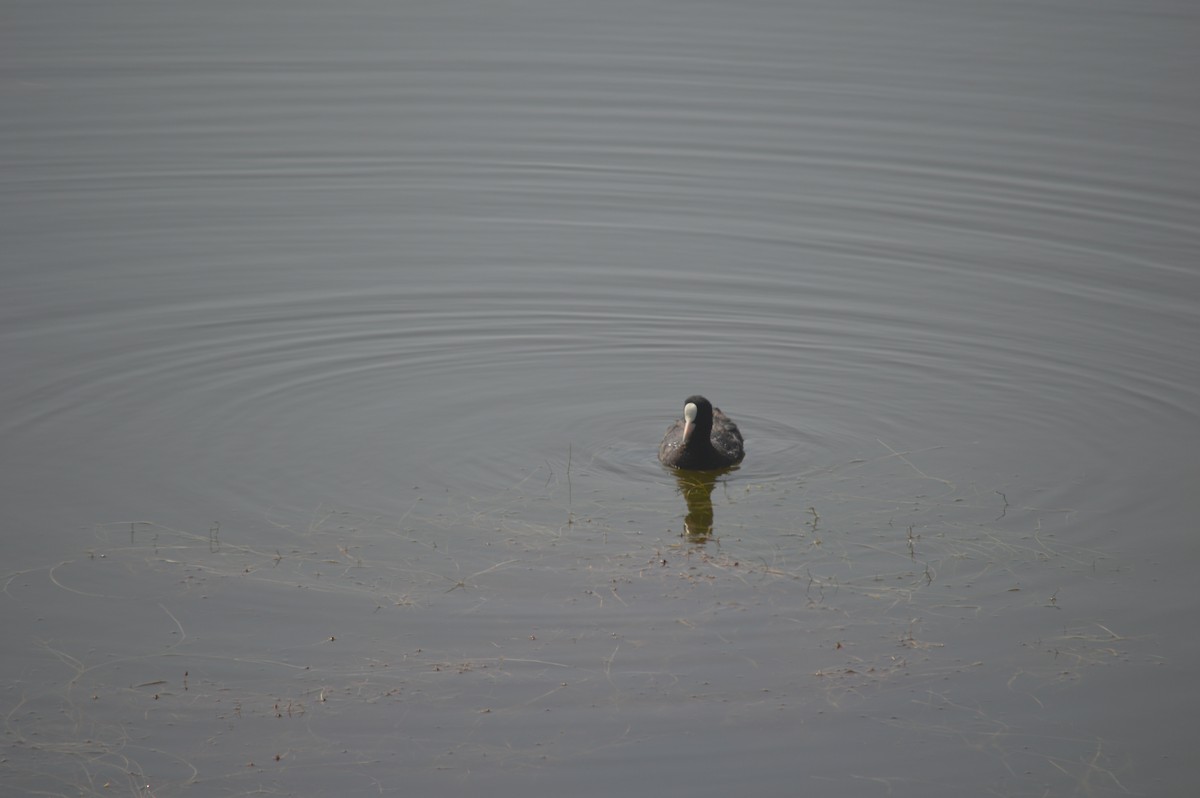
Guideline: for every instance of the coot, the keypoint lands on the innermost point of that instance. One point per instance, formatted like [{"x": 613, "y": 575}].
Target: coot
[{"x": 703, "y": 440}]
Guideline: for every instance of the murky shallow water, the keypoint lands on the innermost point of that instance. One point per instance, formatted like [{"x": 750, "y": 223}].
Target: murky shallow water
[{"x": 338, "y": 346}]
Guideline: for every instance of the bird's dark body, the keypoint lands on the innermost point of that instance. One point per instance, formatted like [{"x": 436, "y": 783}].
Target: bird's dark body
[{"x": 714, "y": 441}]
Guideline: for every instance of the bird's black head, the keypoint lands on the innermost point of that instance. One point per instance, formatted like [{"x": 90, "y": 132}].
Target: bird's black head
[{"x": 697, "y": 416}]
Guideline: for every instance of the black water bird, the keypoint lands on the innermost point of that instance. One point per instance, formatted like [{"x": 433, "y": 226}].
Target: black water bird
[{"x": 705, "y": 439}]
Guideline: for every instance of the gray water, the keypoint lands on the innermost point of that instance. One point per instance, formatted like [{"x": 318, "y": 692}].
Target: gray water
[{"x": 338, "y": 341}]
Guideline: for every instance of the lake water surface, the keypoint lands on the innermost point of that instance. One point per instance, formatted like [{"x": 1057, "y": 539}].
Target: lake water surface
[{"x": 338, "y": 340}]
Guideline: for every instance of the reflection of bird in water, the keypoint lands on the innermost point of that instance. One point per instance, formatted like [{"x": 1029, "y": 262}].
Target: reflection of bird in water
[
  {"x": 705, "y": 439},
  {"x": 696, "y": 488}
]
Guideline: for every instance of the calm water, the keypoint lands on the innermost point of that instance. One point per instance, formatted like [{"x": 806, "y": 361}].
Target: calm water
[{"x": 338, "y": 342}]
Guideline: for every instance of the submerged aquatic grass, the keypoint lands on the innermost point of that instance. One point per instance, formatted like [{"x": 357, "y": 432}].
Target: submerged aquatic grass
[{"x": 252, "y": 654}]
